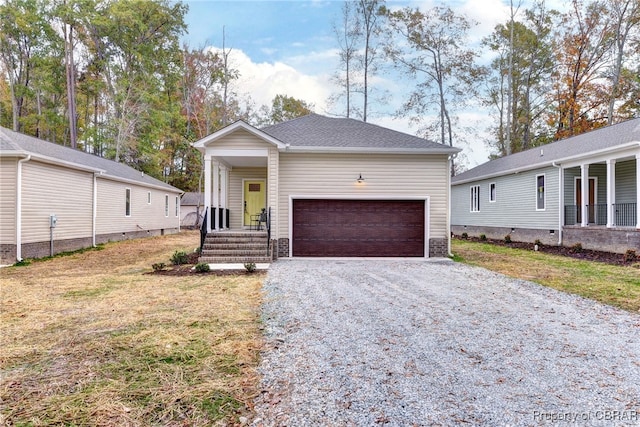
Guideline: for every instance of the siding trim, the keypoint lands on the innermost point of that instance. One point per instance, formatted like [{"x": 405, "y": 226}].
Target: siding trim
[
  {"x": 427, "y": 211},
  {"x": 544, "y": 181},
  {"x": 19, "y": 208}
]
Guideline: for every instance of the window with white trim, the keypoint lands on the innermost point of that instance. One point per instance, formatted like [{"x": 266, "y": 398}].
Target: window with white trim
[
  {"x": 127, "y": 202},
  {"x": 492, "y": 192},
  {"x": 540, "y": 193},
  {"x": 177, "y": 206},
  {"x": 148, "y": 197},
  {"x": 475, "y": 198},
  {"x": 166, "y": 205}
]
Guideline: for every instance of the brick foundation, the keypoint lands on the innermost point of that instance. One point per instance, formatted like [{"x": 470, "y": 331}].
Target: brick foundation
[
  {"x": 283, "y": 248},
  {"x": 438, "y": 248},
  {"x": 616, "y": 240},
  {"x": 7, "y": 254},
  {"x": 116, "y": 237}
]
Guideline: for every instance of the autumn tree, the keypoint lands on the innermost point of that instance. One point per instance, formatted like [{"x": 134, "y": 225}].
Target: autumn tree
[
  {"x": 432, "y": 50},
  {"x": 283, "y": 108},
  {"x": 525, "y": 56}
]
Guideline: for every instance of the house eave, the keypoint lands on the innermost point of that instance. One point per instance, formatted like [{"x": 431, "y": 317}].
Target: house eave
[
  {"x": 369, "y": 150},
  {"x": 51, "y": 161},
  {"x": 560, "y": 162},
  {"x": 140, "y": 183}
]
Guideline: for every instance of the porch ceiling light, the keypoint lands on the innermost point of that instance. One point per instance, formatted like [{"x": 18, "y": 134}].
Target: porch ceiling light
[{"x": 360, "y": 179}]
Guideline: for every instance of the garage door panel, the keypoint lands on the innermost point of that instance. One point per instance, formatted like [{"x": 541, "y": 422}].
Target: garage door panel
[{"x": 363, "y": 228}]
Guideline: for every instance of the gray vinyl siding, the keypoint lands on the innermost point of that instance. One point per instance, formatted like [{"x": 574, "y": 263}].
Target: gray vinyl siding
[
  {"x": 515, "y": 204},
  {"x": 385, "y": 176},
  {"x": 49, "y": 189},
  {"x": 8, "y": 175},
  {"x": 236, "y": 198},
  {"x": 144, "y": 216},
  {"x": 626, "y": 182}
]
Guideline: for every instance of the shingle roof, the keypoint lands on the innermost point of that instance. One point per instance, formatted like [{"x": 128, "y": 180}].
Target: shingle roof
[
  {"x": 596, "y": 140},
  {"x": 18, "y": 142},
  {"x": 192, "y": 199},
  {"x": 318, "y": 131}
]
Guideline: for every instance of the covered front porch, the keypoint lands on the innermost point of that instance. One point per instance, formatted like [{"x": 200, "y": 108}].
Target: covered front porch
[{"x": 602, "y": 193}]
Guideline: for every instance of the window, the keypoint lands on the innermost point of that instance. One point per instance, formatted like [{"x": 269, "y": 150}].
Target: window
[
  {"x": 149, "y": 197},
  {"x": 166, "y": 205},
  {"x": 492, "y": 192},
  {"x": 540, "y": 196},
  {"x": 177, "y": 206},
  {"x": 475, "y": 198},
  {"x": 127, "y": 202}
]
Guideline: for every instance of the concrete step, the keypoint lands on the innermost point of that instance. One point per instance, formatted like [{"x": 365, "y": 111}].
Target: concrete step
[
  {"x": 235, "y": 252},
  {"x": 233, "y": 260},
  {"x": 232, "y": 246},
  {"x": 236, "y": 239}
]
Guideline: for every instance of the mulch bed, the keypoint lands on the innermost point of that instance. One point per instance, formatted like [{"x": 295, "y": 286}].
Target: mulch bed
[{"x": 573, "y": 251}]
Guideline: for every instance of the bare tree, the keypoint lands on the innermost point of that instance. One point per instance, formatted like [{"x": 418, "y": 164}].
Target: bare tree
[{"x": 348, "y": 33}]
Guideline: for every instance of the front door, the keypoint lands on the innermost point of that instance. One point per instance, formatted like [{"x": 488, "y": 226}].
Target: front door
[
  {"x": 592, "y": 200},
  {"x": 254, "y": 199}
]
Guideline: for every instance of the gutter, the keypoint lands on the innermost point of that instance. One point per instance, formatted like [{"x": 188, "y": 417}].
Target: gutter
[
  {"x": 369, "y": 150},
  {"x": 19, "y": 207},
  {"x": 94, "y": 212},
  {"x": 560, "y": 201},
  {"x": 449, "y": 172}
]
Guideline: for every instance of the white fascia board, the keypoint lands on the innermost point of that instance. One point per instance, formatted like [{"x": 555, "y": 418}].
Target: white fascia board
[
  {"x": 140, "y": 183},
  {"x": 229, "y": 152},
  {"x": 370, "y": 150},
  {"x": 565, "y": 162},
  {"x": 13, "y": 153},
  {"x": 70, "y": 165},
  {"x": 201, "y": 144}
]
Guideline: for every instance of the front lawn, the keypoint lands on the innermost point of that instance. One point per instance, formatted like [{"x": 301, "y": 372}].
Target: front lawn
[
  {"x": 90, "y": 339},
  {"x": 611, "y": 284}
]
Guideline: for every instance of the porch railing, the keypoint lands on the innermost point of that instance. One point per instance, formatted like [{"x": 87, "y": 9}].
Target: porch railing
[
  {"x": 268, "y": 226},
  {"x": 222, "y": 213},
  {"x": 203, "y": 230},
  {"x": 625, "y": 214}
]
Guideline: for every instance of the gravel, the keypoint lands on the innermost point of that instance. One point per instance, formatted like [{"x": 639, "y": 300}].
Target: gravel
[{"x": 413, "y": 343}]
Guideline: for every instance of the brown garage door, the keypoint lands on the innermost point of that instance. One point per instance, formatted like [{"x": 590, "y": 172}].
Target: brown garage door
[{"x": 358, "y": 228}]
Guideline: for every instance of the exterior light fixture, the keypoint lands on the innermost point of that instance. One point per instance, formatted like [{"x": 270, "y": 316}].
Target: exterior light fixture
[{"x": 360, "y": 179}]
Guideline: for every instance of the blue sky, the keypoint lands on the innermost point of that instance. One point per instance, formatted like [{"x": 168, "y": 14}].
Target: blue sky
[{"x": 289, "y": 47}]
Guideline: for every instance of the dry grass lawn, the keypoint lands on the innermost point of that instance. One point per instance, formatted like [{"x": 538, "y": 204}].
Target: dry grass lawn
[
  {"x": 610, "y": 284},
  {"x": 89, "y": 339}
]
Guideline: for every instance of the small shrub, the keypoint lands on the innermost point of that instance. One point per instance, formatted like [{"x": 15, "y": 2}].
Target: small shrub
[
  {"x": 202, "y": 267},
  {"x": 158, "y": 266},
  {"x": 464, "y": 235},
  {"x": 507, "y": 238},
  {"x": 630, "y": 256},
  {"x": 537, "y": 242},
  {"x": 179, "y": 257},
  {"x": 577, "y": 248},
  {"x": 250, "y": 267},
  {"x": 483, "y": 237}
]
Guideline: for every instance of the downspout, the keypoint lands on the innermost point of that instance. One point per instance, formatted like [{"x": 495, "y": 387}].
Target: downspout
[
  {"x": 449, "y": 172},
  {"x": 94, "y": 208},
  {"x": 19, "y": 207},
  {"x": 560, "y": 201}
]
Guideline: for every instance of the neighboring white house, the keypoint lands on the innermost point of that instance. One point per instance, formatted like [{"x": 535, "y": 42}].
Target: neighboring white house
[
  {"x": 332, "y": 186},
  {"x": 584, "y": 189},
  {"x": 55, "y": 199}
]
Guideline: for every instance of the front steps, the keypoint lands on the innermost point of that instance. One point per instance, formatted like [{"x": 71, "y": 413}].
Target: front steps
[{"x": 235, "y": 247}]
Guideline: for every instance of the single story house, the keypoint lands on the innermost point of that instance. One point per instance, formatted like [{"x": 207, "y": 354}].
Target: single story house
[
  {"x": 584, "y": 189},
  {"x": 191, "y": 209},
  {"x": 55, "y": 199},
  {"x": 330, "y": 187}
]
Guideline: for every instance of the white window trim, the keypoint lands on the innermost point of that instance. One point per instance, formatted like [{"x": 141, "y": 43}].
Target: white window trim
[
  {"x": 177, "y": 206},
  {"x": 166, "y": 206},
  {"x": 545, "y": 192},
  {"x": 495, "y": 192},
  {"x": 127, "y": 190},
  {"x": 474, "y": 198}
]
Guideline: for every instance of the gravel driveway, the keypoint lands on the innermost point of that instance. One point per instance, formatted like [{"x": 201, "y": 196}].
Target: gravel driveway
[{"x": 402, "y": 343}]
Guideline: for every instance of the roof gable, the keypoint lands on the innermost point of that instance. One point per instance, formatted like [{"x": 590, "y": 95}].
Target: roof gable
[
  {"x": 12, "y": 143},
  {"x": 600, "y": 140},
  {"x": 202, "y": 143}
]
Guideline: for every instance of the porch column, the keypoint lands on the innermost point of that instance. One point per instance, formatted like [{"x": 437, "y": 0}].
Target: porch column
[
  {"x": 224, "y": 173},
  {"x": 584, "y": 190},
  {"x": 611, "y": 193},
  {"x": 638, "y": 191},
  {"x": 207, "y": 190},
  {"x": 216, "y": 195}
]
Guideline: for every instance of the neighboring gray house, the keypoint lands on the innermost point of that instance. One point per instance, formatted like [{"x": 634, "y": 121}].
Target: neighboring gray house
[
  {"x": 584, "y": 189},
  {"x": 91, "y": 199},
  {"x": 191, "y": 209},
  {"x": 333, "y": 186}
]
